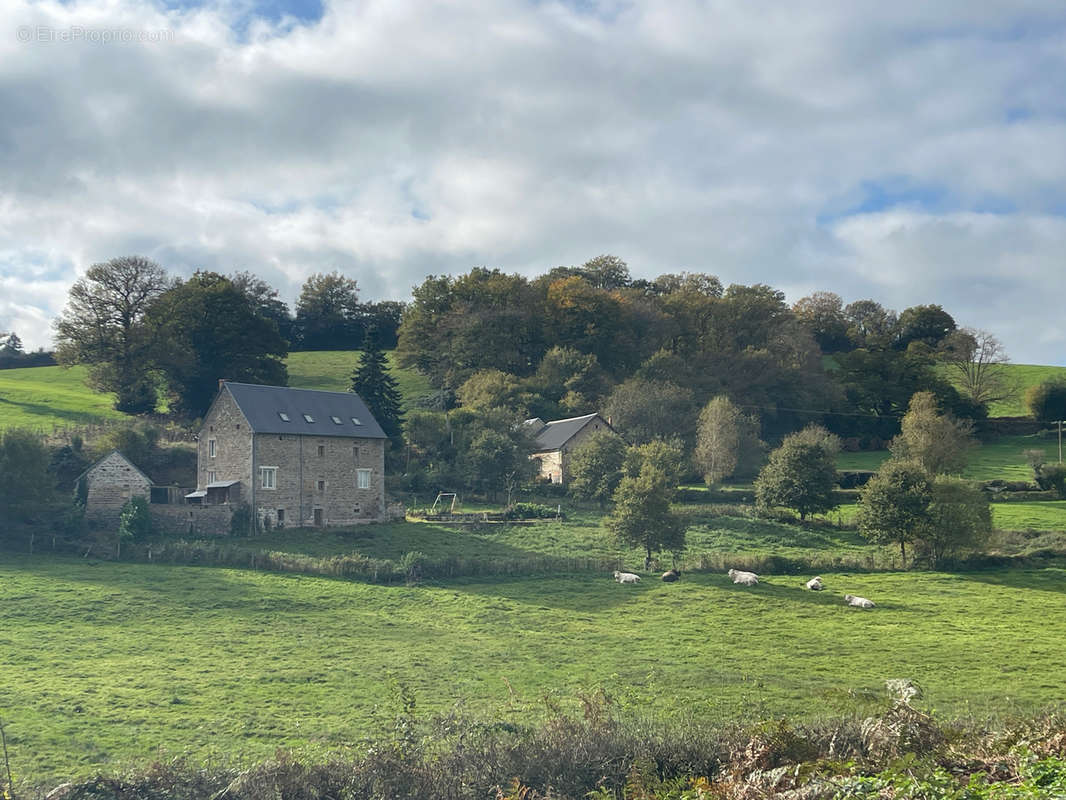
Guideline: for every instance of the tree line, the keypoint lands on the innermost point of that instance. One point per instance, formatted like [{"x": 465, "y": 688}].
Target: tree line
[{"x": 146, "y": 335}]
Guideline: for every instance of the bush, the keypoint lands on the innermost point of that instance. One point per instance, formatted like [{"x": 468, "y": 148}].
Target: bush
[
  {"x": 240, "y": 523},
  {"x": 135, "y": 521},
  {"x": 531, "y": 511},
  {"x": 1053, "y": 477}
]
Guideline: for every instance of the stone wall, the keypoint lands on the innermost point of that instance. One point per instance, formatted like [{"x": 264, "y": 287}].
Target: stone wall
[
  {"x": 228, "y": 428},
  {"x": 192, "y": 521},
  {"x": 319, "y": 473},
  {"x": 110, "y": 484}
]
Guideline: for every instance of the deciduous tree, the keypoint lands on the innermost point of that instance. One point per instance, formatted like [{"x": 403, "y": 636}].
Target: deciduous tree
[
  {"x": 800, "y": 474},
  {"x": 103, "y": 328},
  {"x": 24, "y": 480},
  {"x": 596, "y": 467},
  {"x": 938, "y": 442},
  {"x": 1047, "y": 403},
  {"x": 205, "y": 330},
  {"x": 727, "y": 441},
  {"x": 979, "y": 362},
  {"x": 326, "y": 312},
  {"x": 642, "y": 516},
  {"x": 894, "y": 505},
  {"x": 959, "y": 518}
]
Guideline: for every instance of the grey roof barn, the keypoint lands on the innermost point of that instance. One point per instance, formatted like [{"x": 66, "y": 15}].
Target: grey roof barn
[{"x": 554, "y": 442}]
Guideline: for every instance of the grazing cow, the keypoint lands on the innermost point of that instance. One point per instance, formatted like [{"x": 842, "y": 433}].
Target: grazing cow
[
  {"x": 815, "y": 584},
  {"x": 744, "y": 578},
  {"x": 858, "y": 602},
  {"x": 626, "y": 577},
  {"x": 671, "y": 575}
]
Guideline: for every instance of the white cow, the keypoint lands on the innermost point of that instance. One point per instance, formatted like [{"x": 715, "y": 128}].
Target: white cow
[
  {"x": 858, "y": 602},
  {"x": 815, "y": 584},
  {"x": 626, "y": 577},
  {"x": 744, "y": 578}
]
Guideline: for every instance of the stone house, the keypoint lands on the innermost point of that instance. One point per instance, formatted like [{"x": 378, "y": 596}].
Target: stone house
[
  {"x": 296, "y": 457},
  {"x": 554, "y": 442},
  {"x": 108, "y": 485}
]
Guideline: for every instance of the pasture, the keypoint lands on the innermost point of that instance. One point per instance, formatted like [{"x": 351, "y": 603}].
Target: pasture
[
  {"x": 106, "y": 662},
  {"x": 50, "y": 399}
]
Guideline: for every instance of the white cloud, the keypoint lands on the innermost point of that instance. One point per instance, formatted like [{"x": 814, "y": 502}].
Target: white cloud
[{"x": 392, "y": 139}]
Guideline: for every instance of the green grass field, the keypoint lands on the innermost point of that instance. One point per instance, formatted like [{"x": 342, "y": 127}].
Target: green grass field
[
  {"x": 47, "y": 398},
  {"x": 52, "y": 398},
  {"x": 108, "y": 662},
  {"x": 1023, "y": 376},
  {"x": 1002, "y": 458}
]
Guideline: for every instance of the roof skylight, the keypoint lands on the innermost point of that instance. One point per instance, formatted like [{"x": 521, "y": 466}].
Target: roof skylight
[
  {"x": 337, "y": 420},
  {"x": 355, "y": 421},
  {"x": 308, "y": 418},
  {"x": 284, "y": 416}
]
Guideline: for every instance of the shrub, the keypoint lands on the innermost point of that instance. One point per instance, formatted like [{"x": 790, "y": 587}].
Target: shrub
[
  {"x": 1052, "y": 477},
  {"x": 135, "y": 522},
  {"x": 531, "y": 511}
]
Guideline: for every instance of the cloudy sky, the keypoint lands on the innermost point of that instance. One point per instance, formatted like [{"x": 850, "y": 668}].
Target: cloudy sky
[{"x": 910, "y": 152}]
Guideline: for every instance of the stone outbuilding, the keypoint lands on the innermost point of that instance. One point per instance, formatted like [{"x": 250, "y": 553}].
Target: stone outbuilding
[
  {"x": 108, "y": 485},
  {"x": 555, "y": 442},
  {"x": 296, "y": 457}
]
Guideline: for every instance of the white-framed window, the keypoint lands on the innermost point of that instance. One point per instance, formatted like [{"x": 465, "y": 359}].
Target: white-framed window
[
  {"x": 362, "y": 479},
  {"x": 212, "y": 476},
  {"x": 268, "y": 477},
  {"x": 212, "y": 448}
]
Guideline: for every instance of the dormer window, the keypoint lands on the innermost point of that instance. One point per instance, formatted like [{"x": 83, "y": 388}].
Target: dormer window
[
  {"x": 284, "y": 416},
  {"x": 308, "y": 418},
  {"x": 355, "y": 421},
  {"x": 337, "y": 420}
]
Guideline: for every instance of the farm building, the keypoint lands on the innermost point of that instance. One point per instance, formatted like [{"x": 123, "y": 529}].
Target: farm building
[
  {"x": 295, "y": 456},
  {"x": 108, "y": 485},
  {"x": 555, "y": 442}
]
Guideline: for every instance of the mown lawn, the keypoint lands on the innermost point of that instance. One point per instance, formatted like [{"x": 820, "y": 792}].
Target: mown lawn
[{"x": 106, "y": 662}]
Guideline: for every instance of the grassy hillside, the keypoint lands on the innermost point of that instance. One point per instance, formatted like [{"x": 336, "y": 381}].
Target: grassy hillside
[
  {"x": 1023, "y": 376},
  {"x": 105, "y": 662},
  {"x": 46, "y": 398},
  {"x": 332, "y": 371},
  {"x": 51, "y": 398},
  {"x": 1002, "y": 458}
]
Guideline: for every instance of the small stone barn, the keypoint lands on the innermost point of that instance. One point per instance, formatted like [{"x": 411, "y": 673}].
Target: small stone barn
[
  {"x": 109, "y": 484},
  {"x": 555, "y": 442},
  {"x": 296, "y": 457}
]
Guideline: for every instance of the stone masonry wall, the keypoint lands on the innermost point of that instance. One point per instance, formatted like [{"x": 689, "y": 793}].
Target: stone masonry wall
[
  {"x": 110, "y": 484},
  {"x": 192, "y": 521},
  {"x": 319, "y": 472},
  {"x": 226, "y": 425}
]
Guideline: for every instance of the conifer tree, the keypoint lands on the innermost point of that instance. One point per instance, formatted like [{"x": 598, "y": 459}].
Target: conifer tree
[{"x": 372, "y": 381}]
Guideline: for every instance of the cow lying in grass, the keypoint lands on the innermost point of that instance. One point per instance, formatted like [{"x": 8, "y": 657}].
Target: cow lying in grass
[
  {"x": 743, "y": 578},
  {"x": 671, "y": 575},
  {"x": 858, "y": 602},
  {"x": 815, "y": 584},
  {"x": 626, "y": 577}
]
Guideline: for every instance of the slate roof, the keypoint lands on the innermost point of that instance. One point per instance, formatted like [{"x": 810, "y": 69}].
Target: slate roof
[
  {"x": 553, "y": 435},
  {"x": 263, "y": 407}
]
